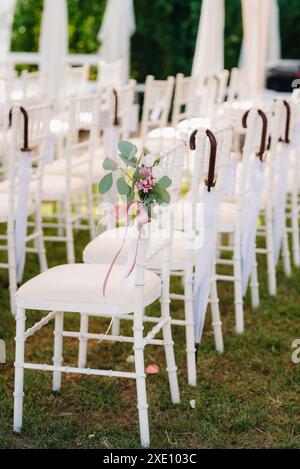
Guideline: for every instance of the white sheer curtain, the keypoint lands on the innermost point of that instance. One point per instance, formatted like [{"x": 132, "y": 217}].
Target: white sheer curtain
[
  {"x": 209, "y": 53},
  {"x": 116, "y": 30},
  {"x": 54, "y": 45},
  {"x": 274, "y": 36},
  {"x": 7, "y": 9},
  {"x": 256, "y": 19},
  {"x": 274, "y": 39}
]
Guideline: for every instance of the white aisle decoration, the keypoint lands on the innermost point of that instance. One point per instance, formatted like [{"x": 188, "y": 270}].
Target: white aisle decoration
[
  {"x": 54, "y": 46},
  {"x": 256, "y": 20},
  {"x": 209, "y": 53},
  {"x": 7, "y": 9},
  {"x": 116, "y": 30}
]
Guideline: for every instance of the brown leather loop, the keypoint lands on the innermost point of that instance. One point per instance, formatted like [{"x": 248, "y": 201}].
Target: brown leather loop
[
  {"x": 263, "y": 142},
  {"x": 116, "y": 117},
  {"x": 26, "y": 131},
  {"x": 288, "y": 123},
  {"x": 211, "y": 182},
  {"x": 193, "y": 140}
]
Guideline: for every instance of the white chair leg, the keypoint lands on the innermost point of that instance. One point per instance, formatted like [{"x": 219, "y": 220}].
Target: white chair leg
[
  {"x": 190, "y": 329},
  {"x": 286, "y": 254},
  {"x": 12, "y": 288},
  {"x": 141, "y": 381},
  {"x": 270, "y": 252},
  {"x": 254, "y": 285},
  {"x": 83, "y": 341},
  {"x": 295, "y": 230},
  {"x": 91, "y": 219},
  {"x": 238, "y": 292},
  {"x": 19, "y": 369},
  {"x": 169, "y": 346},
  {"x": 40, "y": 244},
  {"x": 70, "y": 235},
  {"x": 115, "y": 330},
  {"x": 58, "y": 348},
  {"x": 216, "y": 318}
]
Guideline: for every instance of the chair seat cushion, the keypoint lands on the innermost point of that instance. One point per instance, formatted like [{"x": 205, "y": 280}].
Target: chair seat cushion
[
  {"x": 103, "y": 248},
  {"x": 78, "y": 288}
]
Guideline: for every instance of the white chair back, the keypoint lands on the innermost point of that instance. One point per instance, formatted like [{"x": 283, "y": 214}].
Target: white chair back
[
  {"x": 184, "y": 100},
  {"x": 109, "y": 74},
  {"x": 33, "y": 85},
  {"x": 157, "y": 104},
  {"x": 76, "y": 79}
]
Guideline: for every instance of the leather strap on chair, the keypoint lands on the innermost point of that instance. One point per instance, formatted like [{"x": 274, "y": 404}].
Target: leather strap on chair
[
  {"x": 211, "y": 182},
  {"x": 116, "y": 117},
  {"x": 288, "y": 123},
  {"x": 193, "y": 140},
  {"x": 25, "y": 147},
  {"x": 263, "y": 143}
]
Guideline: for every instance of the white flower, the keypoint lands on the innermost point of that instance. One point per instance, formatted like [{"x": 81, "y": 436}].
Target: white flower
[
  {"x": 157, "y": 172},
  {"x": 149, "y": 160}
]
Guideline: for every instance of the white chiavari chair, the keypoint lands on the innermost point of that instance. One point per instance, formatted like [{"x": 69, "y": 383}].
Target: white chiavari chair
[
  {"x": 239, "y": 213},
  {"x": 68, "y": 181},
  {"x": 110, "y": 75},
  {"x": 274, "y": 228},
  {"x": 156, "y": 108},
  {"x": 185, "y": 249},
  {"x": 33, "y": 87},
  {"x": 293, "y": 206},
  {"x": 76, "y": 80},
  {"x": 20, "y": 194},
  {"x": 77, "y": 288}
]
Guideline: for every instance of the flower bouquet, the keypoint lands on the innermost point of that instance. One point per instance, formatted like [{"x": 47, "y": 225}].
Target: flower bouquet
[{"x": 141, "y": 180}]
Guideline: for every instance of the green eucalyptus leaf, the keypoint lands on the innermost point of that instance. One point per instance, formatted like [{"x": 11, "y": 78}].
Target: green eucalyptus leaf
[
  {"x": 162, "y": 195},
  {"x": 132, "y": 163},
  {"x": 165, "y": 182},
  {"x": 127, "y": 149},
  {"x": 110, "y": 164},
  {"x": 122, "y": 186},
  {"x": 105, "y": 183}
]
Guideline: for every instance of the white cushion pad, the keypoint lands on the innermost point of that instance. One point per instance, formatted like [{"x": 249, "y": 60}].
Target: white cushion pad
[
  {"x": 78, "y": 288},
  {"x": 103, "y": 248}
]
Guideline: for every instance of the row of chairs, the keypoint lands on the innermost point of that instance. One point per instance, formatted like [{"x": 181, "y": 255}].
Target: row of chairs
[{"x": 229, "y": 191}]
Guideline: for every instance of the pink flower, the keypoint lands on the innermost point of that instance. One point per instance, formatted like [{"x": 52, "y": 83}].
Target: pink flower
[
  {"x": 146, "y": 185},
  {"x": 146, "y": 172}
]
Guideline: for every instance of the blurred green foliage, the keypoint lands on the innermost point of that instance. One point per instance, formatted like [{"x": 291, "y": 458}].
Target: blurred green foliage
[{"x": 166, "y": 32}]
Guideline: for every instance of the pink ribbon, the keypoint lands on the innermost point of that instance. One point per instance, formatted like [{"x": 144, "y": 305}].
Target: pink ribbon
[{"x": 143, "y": 219}]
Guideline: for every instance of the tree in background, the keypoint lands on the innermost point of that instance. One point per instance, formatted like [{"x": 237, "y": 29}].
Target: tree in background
[{"x": 166, "y": 32}]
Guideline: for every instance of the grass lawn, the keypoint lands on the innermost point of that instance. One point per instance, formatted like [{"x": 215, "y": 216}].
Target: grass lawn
[{"x": 249, "y": 397}]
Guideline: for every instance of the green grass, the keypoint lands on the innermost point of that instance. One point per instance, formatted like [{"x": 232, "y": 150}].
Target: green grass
[{"x": 249, "y": 397}]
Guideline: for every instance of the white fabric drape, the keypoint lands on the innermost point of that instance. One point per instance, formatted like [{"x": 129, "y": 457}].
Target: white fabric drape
[
  {"x": 54, "y": 45},
  {"x": 116, "y": 30},
  {"x": 280, "y": 195},
  {"x": 24, "y": 177},
  {"x": 256, "y": 16},
  {"x": 274, "y": 37},
  {"x": 251, "y": 213},
  {"x": 209, "y": 52},
  {"x": 205, "y": 257},
  {"x": 7, "y": 9}
]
